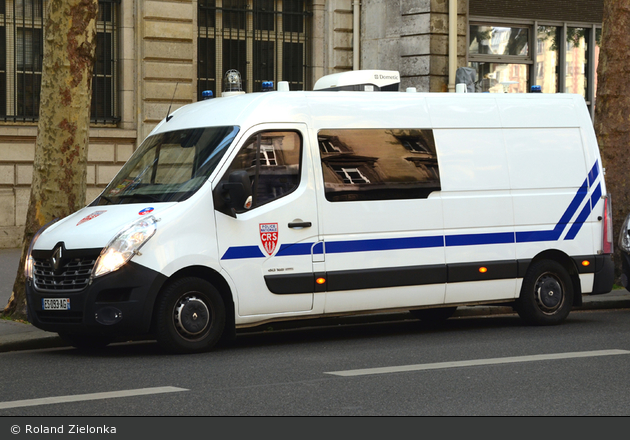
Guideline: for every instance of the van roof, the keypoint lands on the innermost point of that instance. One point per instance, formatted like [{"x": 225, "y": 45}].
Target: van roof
[{"x": 326, "y": 109}]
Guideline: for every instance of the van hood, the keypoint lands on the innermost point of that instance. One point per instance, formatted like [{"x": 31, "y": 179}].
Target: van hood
[{"x": 95, "y": 226}]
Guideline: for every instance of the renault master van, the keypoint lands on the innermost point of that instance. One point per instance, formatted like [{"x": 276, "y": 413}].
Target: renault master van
[{"x": 262, "y": 207}]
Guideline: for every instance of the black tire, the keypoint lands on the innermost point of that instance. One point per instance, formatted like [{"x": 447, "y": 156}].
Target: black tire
[
  {"x": 546, "y": 294},
  {"x": 87, "y": 341},
  {"x": 189, "y": 317},
  {"x": 433, "y": 316}
]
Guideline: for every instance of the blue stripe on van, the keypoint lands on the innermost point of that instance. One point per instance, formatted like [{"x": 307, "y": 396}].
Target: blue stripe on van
[
  {"x": 554, "y": 234},
  {"x": 474, "y": 239},
  {"x": 592, "y": 175},
  {"x": 579, "y": 222},
  {"x": 383, "y": 244},
  {"x": 240, "y": 252},
  {"x": 299, "y": 249},
  {"x": 347, "y": 246}
]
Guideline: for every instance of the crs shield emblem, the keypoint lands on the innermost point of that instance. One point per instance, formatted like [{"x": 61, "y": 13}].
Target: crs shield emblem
[{"x": 269, "y": 236}]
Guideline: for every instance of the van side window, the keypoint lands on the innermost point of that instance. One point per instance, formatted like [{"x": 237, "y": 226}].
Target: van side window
[
  {"x": 378, "y": 164},
  {"x": 272, "y": 161}
]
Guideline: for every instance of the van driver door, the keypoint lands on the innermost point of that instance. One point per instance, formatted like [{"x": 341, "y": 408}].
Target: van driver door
[{"x": 266, "y": 240}]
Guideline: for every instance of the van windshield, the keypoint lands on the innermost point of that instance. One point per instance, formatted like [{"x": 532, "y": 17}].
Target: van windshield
[{"x": 169, "y": 167}]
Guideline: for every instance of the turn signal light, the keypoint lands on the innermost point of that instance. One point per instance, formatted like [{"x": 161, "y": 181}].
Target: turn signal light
[
  {"x": 586, "y": 263},
  {"x": 320, "y": 280},
  {"x": 483, "y": 269}
]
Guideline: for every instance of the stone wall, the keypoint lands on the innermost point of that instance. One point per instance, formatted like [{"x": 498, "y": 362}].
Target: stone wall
[{"x": 411, "y": 36}]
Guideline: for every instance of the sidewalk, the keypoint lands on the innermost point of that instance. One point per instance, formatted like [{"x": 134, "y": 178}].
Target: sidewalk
[{"x": 16, "y": 336}]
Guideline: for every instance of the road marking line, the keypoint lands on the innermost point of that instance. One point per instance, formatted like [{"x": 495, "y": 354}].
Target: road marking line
[
  {"x": 93, "y": 396},
  {"x": 476, "y": 362}
]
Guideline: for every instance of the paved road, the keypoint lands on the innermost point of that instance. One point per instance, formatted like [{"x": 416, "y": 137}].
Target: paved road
[{"x": 469, "y": 366}]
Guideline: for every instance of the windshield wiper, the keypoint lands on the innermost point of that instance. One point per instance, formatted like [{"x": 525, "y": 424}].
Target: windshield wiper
[{"x": 141, "y": 197}]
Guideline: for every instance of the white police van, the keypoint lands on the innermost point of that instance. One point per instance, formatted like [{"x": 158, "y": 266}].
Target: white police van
[{"x": 263, "y": 207}]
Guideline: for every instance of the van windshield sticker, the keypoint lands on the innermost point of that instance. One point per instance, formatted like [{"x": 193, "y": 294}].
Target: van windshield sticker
[{"x": 146, "y": 211}]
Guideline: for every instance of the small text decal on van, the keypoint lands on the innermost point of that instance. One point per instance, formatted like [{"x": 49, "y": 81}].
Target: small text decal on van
[
  {"x": 269, "y": 236},
  {"x": 90, "y": 217}
]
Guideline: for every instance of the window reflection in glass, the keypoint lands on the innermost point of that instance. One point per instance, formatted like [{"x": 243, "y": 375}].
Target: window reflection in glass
[
  {"x": 377, "y": 164},
  {"x": 495, "y": 40},
  {"x": 576, "y": 61},
  {"x": 547, "y": 58},
  {"x": 500, "y": 78},
  {"x": 272, "y": 161},
  {"x": 598, "y": 42}
]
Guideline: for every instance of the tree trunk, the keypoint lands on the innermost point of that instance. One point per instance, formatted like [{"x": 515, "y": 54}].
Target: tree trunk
[
  {"x": 612, "y": 112},
  {"x": 59, "y": 169}
]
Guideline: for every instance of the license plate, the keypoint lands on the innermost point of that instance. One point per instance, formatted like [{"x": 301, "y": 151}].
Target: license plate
[{"x": 56, "y": 304}]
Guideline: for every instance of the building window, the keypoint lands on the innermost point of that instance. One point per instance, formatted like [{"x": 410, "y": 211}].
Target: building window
[
  {"x": 21, "y": 30},
  {"x": 562, "y": 60},
  {"x": 265, "y": 40}
]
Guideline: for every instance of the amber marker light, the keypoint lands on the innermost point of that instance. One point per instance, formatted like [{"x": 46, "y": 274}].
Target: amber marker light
[
  {"x": 586, "y": 263},
  {"x": 320, "y": 280},
  {"x": 483, "y": 269}
]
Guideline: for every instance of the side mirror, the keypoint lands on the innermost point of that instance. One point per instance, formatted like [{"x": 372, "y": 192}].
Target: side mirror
[{"x": 236, "y": 193}]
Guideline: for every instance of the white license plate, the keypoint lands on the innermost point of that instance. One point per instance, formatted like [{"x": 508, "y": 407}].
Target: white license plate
[{"x": 56, "y": 304}]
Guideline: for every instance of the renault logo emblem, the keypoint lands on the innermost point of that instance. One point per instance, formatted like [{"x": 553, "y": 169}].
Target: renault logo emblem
[{"x": 55, "y": 260}]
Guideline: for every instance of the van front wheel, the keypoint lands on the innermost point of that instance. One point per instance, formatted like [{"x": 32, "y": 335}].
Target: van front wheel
[
  {"x": 546, "y": 295},
  {"x": 190, "y": 316}
]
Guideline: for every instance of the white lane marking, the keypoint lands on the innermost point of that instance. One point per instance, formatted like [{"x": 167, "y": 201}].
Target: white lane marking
[
  {"x": 93, "y": 396},
  {"x": 476, "y": 362}
]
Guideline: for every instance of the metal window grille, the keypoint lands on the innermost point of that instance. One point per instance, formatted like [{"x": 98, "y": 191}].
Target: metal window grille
[
  {"x": 265, "y": 40},
  {"x": 21, "y": 54}
]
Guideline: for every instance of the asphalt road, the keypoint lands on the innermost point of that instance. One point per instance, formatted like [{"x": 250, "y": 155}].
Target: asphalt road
[{"x": 472, "y": 366}]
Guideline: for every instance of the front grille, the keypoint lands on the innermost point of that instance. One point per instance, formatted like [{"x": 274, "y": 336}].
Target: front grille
[
  {"x": 72, "y": 276},
  {"x": 60, "y": 317}
]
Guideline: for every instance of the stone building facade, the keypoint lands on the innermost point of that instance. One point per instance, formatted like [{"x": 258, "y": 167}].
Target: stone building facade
[{"x": 161, "y": 54}]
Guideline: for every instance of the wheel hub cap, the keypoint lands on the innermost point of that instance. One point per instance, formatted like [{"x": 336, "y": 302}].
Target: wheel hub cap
[
  {"x": 192, "y": 316},
  {"x": 549, "y": 293}
]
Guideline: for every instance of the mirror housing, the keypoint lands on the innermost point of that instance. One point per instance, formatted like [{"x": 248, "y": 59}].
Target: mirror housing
[{"x": 235, "y": 194}]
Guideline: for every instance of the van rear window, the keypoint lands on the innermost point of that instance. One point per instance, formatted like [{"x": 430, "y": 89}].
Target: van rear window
[{"x": 378, "y": 164}]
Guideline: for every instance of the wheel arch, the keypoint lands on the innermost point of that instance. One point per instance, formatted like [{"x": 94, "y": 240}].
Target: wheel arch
[
  {"x": 568, "y": 263},
  {"x": 214, "y": 278}
]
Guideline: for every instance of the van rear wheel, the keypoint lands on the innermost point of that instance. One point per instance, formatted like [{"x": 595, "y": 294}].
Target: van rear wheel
[
  {"x": 190, "y": 316},
  {"x": 546, "y": 294}
]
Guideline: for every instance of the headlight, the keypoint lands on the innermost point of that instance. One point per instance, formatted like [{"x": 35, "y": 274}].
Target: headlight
[
  {"x": 124, "y": 246},
  {"x": 624, "y": 238},
  {"x": 28, "y": 265}
]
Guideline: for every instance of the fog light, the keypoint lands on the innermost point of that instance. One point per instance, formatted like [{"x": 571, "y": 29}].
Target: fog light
[{"x": 108, "y": 316}]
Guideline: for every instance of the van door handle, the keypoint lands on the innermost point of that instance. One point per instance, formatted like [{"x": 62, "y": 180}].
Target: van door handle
[{"x": 300, "y": 225}]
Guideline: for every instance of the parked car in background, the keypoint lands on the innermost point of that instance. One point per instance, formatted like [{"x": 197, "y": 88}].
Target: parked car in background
[{"x": 624, "y": 245}]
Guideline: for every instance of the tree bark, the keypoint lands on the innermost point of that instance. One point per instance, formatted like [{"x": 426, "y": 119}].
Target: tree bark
[
  {"x": 59, "y": 169},
  {"x": 612, "y": 112}
]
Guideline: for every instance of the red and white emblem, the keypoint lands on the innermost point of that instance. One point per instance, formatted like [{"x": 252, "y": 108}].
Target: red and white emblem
[
  {"x": 90, "y": 217},
  {"x": 269, "y": 236}
]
